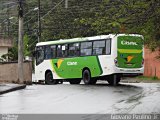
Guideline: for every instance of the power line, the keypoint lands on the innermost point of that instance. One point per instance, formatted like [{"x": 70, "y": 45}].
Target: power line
[
  {"x": 7, "y": 8},
  {"x": 24, "y": 16},
  {"x": 9, "y": 3},
  {"x": 52, "y": 9},
  {"x": 43, "y": 15},
  {"x": 29, "y": 20}
]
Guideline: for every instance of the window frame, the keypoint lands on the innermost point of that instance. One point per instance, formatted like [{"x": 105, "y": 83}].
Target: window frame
[
  {"x": 86, "y": 48},
  {"x": 39, "y": 62},
  {"x": 62, "y": 50},
  {"x": 50, "y": 51},
  {"x": 99, "y": 47},
  {"x": 79, "y": 54},
  {"x": 69, "y": 56},
  {"x": 110, "y": 52}
]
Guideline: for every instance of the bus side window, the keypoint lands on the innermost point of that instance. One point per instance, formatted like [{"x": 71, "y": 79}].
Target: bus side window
[
  {"x": 73, "y": 49},
  {"x": 86, "y": 48},
  {"x": 59, "y": 51},
  {"x": 108, "y": 47},
  {"x": 99, "y": 47},
  {"x": 39, "y": 55},
  {"x": 48, "y": 52},
  {"x": 62, "y": 50},
  {"x": 53, "y": 51}
]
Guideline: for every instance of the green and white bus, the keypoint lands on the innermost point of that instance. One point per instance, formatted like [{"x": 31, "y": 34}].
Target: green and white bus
[{"x": 104, "y": 57}]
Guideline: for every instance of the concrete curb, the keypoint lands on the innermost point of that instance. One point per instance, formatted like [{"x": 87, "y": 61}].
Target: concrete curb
[{"x": 12, "y": 89}]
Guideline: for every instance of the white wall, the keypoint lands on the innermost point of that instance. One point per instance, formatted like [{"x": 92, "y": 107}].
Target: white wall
[{"x": 3, "y": 50}]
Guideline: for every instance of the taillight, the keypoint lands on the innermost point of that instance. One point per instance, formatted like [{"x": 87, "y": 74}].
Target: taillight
[
  {"x": 116, "y": 61},
  {"x": 142, "y": 61}
]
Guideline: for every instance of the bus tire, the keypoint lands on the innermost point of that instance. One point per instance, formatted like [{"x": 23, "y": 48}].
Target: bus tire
[
  {"x": 49, "y": 79},
  {"x": 87, "y": 77},
  {"x": 114, "y": 80},
  {"x": 75, "y": 81}
]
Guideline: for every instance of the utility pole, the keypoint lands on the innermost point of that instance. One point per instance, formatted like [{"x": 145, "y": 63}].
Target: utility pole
[
  {"x": 39, "y": 20},
  {"x": 20, "y": 43}
]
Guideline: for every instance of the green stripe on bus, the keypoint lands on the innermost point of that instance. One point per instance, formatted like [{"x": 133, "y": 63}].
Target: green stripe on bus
[
  {"x": 101, "y": 71},
  {"x": 129, "y": 51},
  {"x": 66, "y": 69}
]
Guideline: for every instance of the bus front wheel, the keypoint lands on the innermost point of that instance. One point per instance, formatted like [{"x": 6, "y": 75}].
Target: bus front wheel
[
  {"x": 87, "y": 78},
  {"x": 49, "y": 79}
]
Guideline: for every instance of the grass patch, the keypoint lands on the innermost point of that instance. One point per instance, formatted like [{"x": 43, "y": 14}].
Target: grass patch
[{"x": 148, "y": 78}]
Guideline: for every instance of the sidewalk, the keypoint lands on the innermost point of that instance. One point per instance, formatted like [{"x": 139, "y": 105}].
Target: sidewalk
[{"x": 5, "y": 88}]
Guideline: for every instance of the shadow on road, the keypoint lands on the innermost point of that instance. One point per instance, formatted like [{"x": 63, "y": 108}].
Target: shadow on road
[{"x": 118, "y": 86}]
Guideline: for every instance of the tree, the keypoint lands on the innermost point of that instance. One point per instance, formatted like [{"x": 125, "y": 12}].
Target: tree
[
  {"x": 26, "y": 41},
  {"x": 92, "y": 17}
]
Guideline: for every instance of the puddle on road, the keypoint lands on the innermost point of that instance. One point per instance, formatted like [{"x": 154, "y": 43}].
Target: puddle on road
[
  {"x": 134, "y": 93},
  {"x": 118, "y": 91},
  {"x": 141, "y": 97},
  {"x": 135, "y": 98}
]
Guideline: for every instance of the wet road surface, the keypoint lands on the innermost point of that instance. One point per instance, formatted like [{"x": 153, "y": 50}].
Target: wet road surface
[{"x": 83, "y": 99}]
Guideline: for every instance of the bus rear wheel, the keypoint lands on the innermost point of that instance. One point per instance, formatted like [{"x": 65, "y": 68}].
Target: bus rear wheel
[
  {"x": 86, "y": 75},
  {"x": 114, "y": 80},
  {"x": 49, "y": 79},
  {"x": 75, "y": 81}
]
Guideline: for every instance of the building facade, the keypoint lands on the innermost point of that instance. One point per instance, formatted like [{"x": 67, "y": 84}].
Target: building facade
[
  {"x": 152, "y": 63},
  {"x": 5, "y": 44}
]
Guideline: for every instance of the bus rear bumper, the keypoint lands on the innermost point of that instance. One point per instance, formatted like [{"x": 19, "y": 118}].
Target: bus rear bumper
[
  {"x": 130, "y": 71},
  {"x": 131, "y": 74}
]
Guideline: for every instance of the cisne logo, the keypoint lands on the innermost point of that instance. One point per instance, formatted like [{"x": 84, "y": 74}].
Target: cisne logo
[
  {"x": 128, "y": 43},
  {"x": 71, "y": 63}
]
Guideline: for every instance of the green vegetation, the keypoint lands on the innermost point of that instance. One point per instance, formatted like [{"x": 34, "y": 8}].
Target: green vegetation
[
  {"x": 148, "y": 78},
  {"x": 12, "y": 54},
  {"x": 95, "y": 17},
  {"x": 86, "y": 18}
]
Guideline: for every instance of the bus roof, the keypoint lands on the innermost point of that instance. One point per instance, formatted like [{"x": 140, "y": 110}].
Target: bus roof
[{"x": 80, "y": 39}]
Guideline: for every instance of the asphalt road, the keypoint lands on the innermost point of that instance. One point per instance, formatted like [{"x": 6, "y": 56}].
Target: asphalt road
[{"x": 83, "y": 99}]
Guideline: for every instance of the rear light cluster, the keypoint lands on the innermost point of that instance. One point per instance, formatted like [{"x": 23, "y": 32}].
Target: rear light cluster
[
  {"x": 116, "y": 62},
  {"x": 142, "y": 61}
]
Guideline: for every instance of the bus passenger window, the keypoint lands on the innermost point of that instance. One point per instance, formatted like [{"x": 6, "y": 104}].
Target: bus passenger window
[
  {"x": 86, "y": 48},
  {"x": 99, "y": 47},
  {"x": 59, "y": 51},
  {"x": 108, "y": 47},
  {"x": 39, "y": 55},
  {"x": 62, "y": 50},
  {"x": 73, "y": 49},
  {"x": 53, "y": 51},
  {"x": 47, "y": 52}
]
